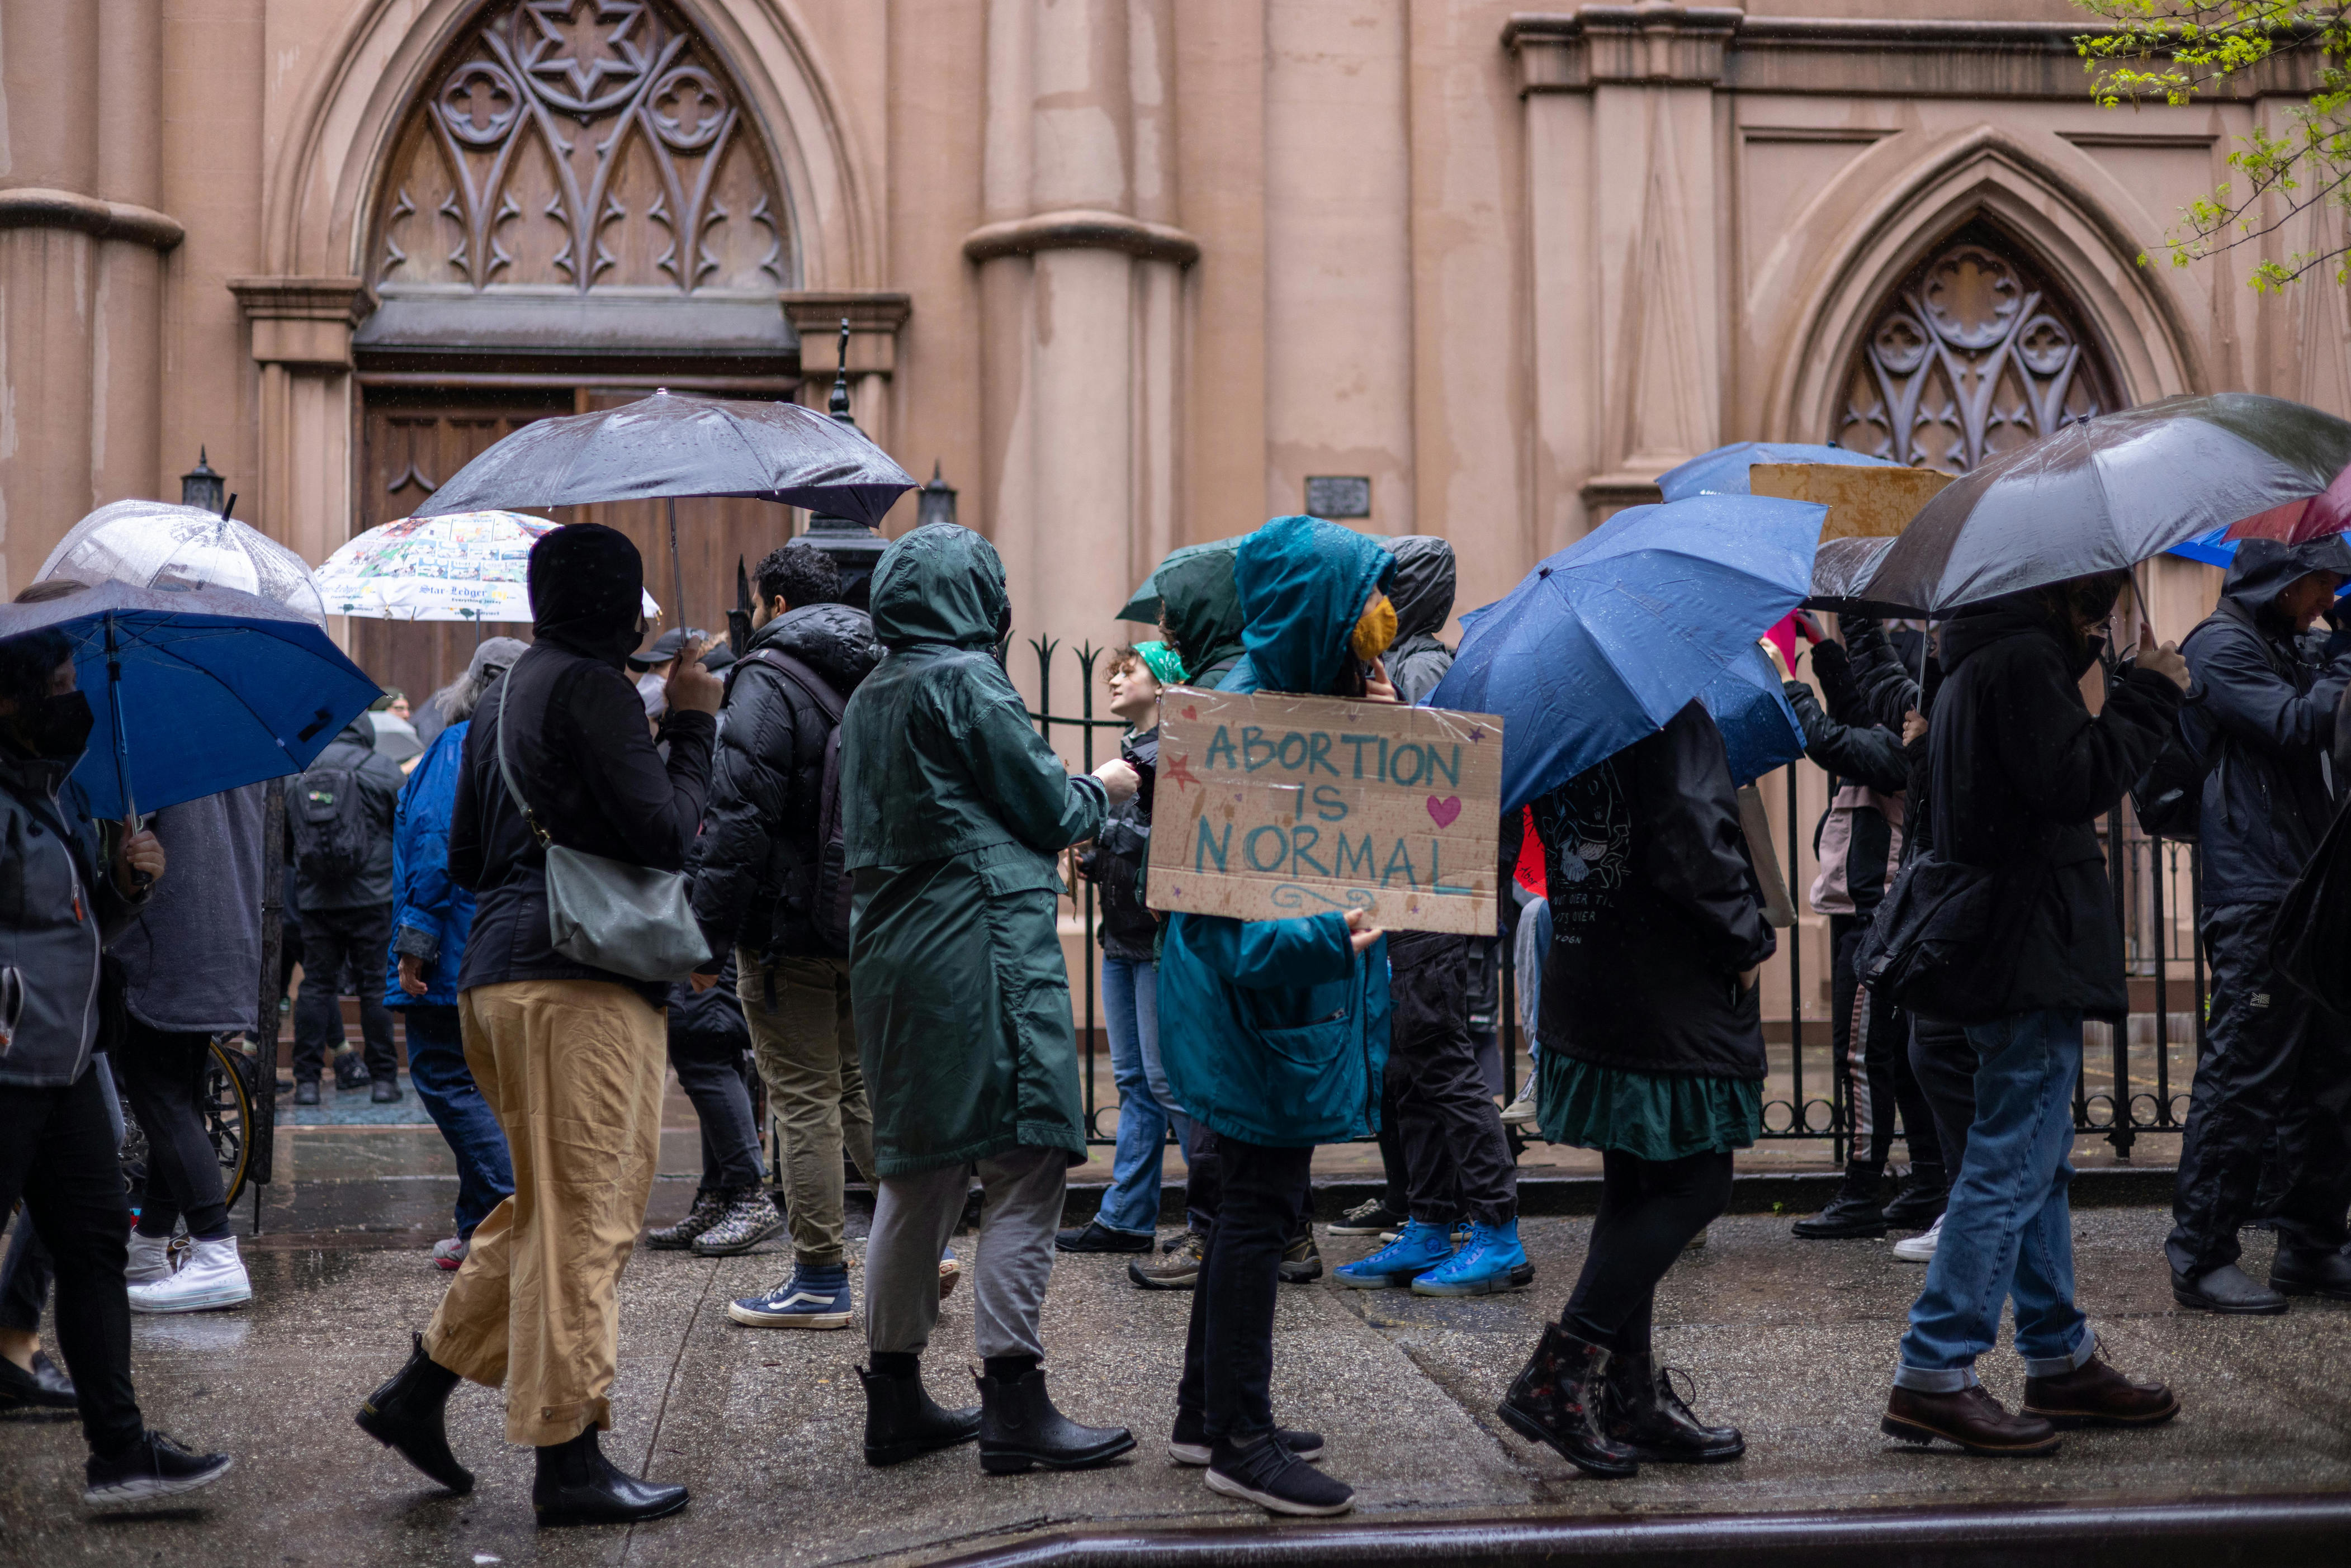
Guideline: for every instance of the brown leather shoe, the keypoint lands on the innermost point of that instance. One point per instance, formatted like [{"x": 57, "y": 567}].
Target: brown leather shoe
[
  {"x": 1969, "y": 1417},
  {"x": 2095, "y": 1394}
]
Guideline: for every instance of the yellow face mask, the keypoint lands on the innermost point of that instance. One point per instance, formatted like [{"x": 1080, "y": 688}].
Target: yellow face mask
[{"x": 1375, "y": 630}]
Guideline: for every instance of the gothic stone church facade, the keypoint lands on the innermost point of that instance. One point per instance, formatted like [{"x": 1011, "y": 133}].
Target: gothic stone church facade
[{"x": 1132, "y": 272}]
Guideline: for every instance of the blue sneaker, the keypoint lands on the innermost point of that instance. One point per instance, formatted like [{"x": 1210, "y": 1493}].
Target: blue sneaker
[
  {"x": 1418, "y": 1248},
  {"x": 810, "y": 1299},
  {"x": 1493, "y": 1261}
]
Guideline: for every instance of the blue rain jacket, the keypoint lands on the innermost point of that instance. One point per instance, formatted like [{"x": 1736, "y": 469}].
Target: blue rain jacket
[
  {"x": 1273, "y": 1031},
  {"x": 431, "y": 915}
]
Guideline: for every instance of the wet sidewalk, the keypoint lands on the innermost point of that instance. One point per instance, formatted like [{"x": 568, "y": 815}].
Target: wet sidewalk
[{"x": 1793, "y": 1342}]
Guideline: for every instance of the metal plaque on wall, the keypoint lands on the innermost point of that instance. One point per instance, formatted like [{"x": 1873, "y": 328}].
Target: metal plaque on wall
[{"x": 1338, "y": 496}]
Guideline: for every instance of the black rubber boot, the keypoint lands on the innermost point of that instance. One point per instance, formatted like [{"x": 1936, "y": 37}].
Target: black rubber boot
[
  {"x": 1019, "y": 1427},
  {"x": 577, "y": 1485},
  {"x": 1852, "y": 1212},
  {"x": 1559, "y": 1399},
  {"x": 406, "y": 1415},
  {"x": 903, "y": 1422},
  {"x": 1922, "y": 1199},
  {"x": 1648, "y": 1416}
]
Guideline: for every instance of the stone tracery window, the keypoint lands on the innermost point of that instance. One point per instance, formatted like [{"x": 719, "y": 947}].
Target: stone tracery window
[
  {"x": 1973, "y": 353},
  {"x": 580, "y": 146}
]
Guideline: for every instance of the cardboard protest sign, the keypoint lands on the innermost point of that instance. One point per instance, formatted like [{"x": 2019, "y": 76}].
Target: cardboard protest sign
[
  {"x": 1269, "y": 807},
  {"x": 1864, "y": 502}
]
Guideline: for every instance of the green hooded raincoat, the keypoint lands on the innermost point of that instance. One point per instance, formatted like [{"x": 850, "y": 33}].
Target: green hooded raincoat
[{"x": 953, "y": 807}]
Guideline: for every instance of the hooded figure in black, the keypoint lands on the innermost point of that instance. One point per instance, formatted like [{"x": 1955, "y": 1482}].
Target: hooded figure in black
[
  {"x": 570, "y": 1057},
  {"x": 2263, "y": 716}
]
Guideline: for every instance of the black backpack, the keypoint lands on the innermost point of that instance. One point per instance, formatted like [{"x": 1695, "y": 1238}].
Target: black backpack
[
  {"x": 333, "y": 837},
  {"x": 830, "y": 883}
]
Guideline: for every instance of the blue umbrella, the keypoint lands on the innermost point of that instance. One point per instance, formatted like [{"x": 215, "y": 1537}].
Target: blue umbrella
[
  {"x": 1605, "y": 642},
  {"x": 1723, "y": 471},
  {"x": 1760, "y": 731},
  {"x": 195, "y": 690}
]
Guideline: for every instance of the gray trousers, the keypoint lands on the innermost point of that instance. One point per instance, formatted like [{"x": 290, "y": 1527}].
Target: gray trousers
[{"x": 914, "y": 1218}]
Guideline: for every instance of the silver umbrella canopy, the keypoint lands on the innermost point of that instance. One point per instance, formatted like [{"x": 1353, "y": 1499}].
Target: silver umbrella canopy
[
  {"x": 153, "y": 544},
  {"x": 2100, "y": 496}
]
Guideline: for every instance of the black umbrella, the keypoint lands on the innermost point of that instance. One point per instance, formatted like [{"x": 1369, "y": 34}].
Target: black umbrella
[
  {"x": 2100, "y": 496},
  {"x": 668, "y": 445}
]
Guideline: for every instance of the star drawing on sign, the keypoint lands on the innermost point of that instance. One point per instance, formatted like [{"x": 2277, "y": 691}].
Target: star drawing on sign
[{"x": 1182, "y": 774}]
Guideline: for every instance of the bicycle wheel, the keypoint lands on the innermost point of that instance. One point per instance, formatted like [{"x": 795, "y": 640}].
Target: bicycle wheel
[{"x": 225, "y": 1103}]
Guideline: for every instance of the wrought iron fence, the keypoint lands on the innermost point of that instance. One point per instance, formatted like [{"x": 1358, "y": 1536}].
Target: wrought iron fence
[{"x": 2155, "y": 895}]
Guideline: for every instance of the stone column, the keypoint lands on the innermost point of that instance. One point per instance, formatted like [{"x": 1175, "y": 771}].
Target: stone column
[
  {"x": 79, "y": 243},
  {"x": 301, "y": 334},
  {"x": 1624, "y": 200},
  {"x": 1080, "y": 296}
]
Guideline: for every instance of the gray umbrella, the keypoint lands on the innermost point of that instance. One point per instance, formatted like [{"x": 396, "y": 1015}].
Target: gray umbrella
[
  {"x": 2100, "y": 496},
  {"x": 668, "y": 445}
]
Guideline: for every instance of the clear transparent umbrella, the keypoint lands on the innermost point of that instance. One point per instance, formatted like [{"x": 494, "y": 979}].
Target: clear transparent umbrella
[{"x": 153, "y": 544}]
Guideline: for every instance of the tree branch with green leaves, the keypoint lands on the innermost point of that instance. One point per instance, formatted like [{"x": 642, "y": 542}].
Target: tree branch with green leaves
[{"x": 2170, "y": 51}]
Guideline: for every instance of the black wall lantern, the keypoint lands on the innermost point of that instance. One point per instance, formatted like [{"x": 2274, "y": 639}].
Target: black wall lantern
[
  {"x": 854, "y": 547},
  {"x": 934, "y": 502},
  {"x": 202, "y": 488}
]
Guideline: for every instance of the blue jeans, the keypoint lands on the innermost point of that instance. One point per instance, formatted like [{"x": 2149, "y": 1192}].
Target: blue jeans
[
  {"x": 1131, "y": 1014},
  {"x": 436, "y": 1067},
  {"x": 2008, "y": 1232}
]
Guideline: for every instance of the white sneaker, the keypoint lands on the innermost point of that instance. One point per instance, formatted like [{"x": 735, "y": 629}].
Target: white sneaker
[
  {"x": 213, "y": 1277},
  {"x": 1520, "y": 1111},
  {"x": 150, "y": 1260},
  {"x": 1920, "y": 1248}
]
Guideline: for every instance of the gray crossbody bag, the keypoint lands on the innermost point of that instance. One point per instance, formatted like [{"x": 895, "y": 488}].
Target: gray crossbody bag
[{"x": 630, "y": 919}]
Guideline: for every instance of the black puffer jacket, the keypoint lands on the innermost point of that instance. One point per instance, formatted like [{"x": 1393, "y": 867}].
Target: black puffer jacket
[
  {"x": 2019, "y": 772},
  {"x": 1423, "y": 596},
  {"x": 1114, "y": 863},
  {"x": 576, "y": 739},
  {"x": 2264, "y": 715},
  {"x": 767, "y": 780},
  {"x": 1655, "y": 912}
]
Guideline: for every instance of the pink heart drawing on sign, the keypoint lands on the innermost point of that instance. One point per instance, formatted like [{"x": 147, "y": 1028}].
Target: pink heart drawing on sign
[
  {"x": 1442, "y": 812},
  {"x": 1192, "y": 712}
]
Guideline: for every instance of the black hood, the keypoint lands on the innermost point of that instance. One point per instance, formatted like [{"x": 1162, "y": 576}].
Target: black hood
[
  {"x": 2012, "y": 615},
  {"x": 587, "y": 593},
  {"x": 2263, "y": 568},
  {"x": 1422, "y": 591},
  {"x": 834, "y": 640}
]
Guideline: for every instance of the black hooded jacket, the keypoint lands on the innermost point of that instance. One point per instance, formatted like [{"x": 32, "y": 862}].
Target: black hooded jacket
[
  {"x": 2019, "y": 772},
  {"x": 1423, "y": 596},
  {"x": 759, "y": 837},
  {"x": 1654, "y": 911},
  {"x": 2263, "y": 716},
  {"x": 574, "y": 733}
]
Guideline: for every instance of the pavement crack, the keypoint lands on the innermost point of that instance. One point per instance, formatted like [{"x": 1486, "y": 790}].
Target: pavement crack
[{"x": 660, "y": 1410}]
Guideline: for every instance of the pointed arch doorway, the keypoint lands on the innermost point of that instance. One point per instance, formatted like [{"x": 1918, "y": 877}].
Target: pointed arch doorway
[
  {"x": 579, "y": 207},
  {"x": 1975, "y": 350}
]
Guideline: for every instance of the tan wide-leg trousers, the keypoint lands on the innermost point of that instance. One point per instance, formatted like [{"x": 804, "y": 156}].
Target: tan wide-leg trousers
[{"x": 573, "y": 1070}]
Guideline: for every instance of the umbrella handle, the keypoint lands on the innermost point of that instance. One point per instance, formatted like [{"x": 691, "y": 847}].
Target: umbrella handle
[{"x": 139, "y": 880}]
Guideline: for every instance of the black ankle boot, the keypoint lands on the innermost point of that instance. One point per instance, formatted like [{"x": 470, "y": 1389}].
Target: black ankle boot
[
  {"x": 1559, "y": 1398},
  {"x": 1922, "y": 1199},
  {"x": 1852, "y": 1212},
  {"x": 1648, "y": 1416},
  {"x": 902, "y": 1421},
  {"x": 406, "y": 1415},
  {"x": 577, "y": 1485},
  {"x": 1019, "y": 1427}
]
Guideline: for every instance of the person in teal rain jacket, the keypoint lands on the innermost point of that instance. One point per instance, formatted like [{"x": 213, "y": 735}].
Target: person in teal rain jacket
[
  {"x": 1275, "y": 1032},
  {"x": 953, "y": 809}
]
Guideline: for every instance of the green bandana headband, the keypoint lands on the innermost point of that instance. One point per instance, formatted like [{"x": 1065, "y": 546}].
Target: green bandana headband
[{"x": 1161, "y": 660}]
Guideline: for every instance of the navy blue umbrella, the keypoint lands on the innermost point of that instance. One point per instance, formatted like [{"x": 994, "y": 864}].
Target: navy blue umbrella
[
  {"x": 195, "y": 690},
  {"x": 1723, "y": 471},
  {"x": 1607, "y": 640}
]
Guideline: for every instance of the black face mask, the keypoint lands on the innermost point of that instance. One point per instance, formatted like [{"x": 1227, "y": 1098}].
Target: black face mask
[{"x": 56, "y": 728}]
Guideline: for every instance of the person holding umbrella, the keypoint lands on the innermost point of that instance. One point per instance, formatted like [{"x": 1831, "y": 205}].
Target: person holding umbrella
[
  {"x": 2019, "y": 771},
  {"x": 570, "y": 1056},
  {"x": 56, "y": 1139}
]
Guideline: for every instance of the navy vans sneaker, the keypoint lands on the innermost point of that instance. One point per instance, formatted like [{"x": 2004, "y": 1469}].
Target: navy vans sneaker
[{"x": 811, "y": 1299}]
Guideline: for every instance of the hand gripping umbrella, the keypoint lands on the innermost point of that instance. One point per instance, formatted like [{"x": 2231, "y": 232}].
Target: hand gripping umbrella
[
  {"x": 203, "y": 690},
  {"x": 667, "y": 445},
  {"x": 2099, "y": 496},
  {"x": 1606, "y": 641}
]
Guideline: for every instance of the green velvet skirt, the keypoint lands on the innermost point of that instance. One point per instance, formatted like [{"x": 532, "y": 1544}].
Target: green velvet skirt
[{"x": 1650, "y": 1115}]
